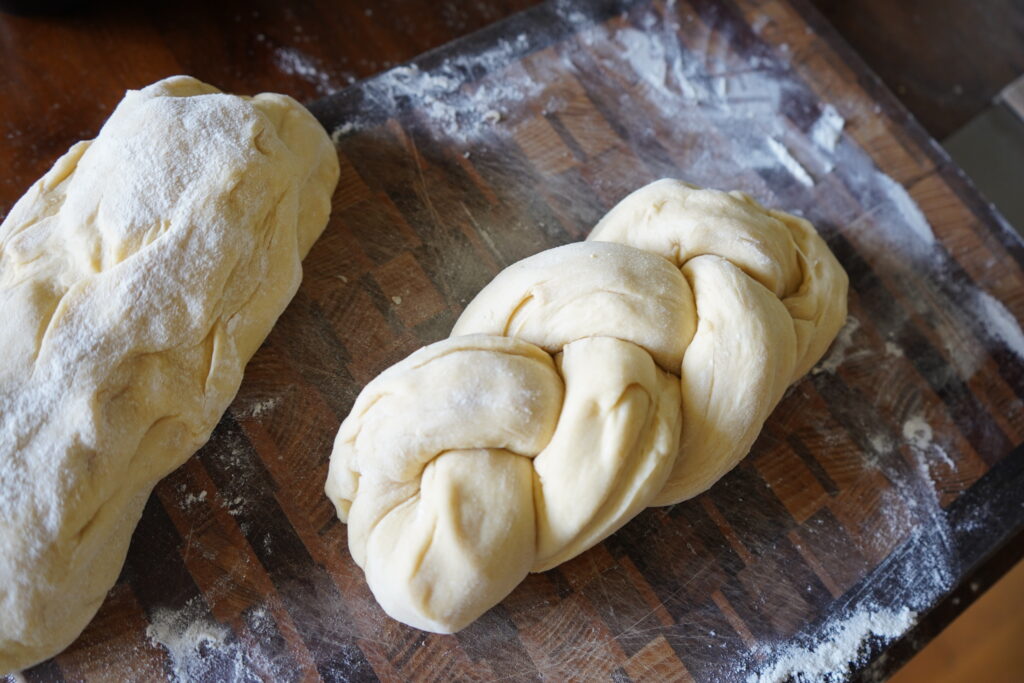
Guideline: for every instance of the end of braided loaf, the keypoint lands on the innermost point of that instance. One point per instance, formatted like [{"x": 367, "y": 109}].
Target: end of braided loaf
[{"x": 581, "y": 385}]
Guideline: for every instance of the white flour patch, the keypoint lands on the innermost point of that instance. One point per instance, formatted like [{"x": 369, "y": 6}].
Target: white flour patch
[
  {"x": 341, "y": 131},
  {"x": 759, "y": 22},
  {"x": 893, "y": 349},
  {"x": 944, "y": 457},
  {"x": 446, "y": 97},
  {"x": 297, "y": 63},
  {"x": 906, "y": 208},
  {"x": 647, "y": 57},
  {"x": 192, "y": 641},
  {"x": 192, "y": 498},
  {"x": 201, "y": 649},
  {"x": 999, "y": 322},
  {"x": 919, "y": 435},
  {"x": 840, "y": 647},
  {"x": 789, "y": 162},
  {"x": 235, "y": 506},
  {"x": 839, "y": 352},
  {"x": 826, "y": 130},
  {"x": 917, "y": 432},
  {"x": 257, "y": 409},
  {"x": 881, "y": 445}
]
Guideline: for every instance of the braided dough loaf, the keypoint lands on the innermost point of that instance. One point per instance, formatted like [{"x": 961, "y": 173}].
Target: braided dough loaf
[
  {"x": 137, "y": 277},
  {"x": 582, "y": 385}
]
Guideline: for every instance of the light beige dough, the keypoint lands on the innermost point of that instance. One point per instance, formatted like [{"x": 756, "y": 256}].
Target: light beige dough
[
  {"x": 137, "y": 278},
  {"x": 582, "y": 385}
]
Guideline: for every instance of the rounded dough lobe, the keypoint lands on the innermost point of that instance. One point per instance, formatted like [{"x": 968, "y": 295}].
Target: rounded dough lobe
[
  {"x": 735, "y": 370},
  {"x": 680, "y": 221},
  {"x": 588, "y": 289},
  {"x": 612, "y": 450},
  {"x": 432, "y": 472},
  {"x": 459, "y": 545}
]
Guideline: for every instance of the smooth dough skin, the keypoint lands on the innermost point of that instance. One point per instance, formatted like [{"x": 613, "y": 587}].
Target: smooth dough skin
[
  {"x": 137, "y": 278},
  {"x": 582, "y": 385}
]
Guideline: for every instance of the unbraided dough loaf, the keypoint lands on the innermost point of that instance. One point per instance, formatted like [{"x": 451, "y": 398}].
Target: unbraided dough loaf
[
  {"x": 137, "y": 277},
  {"x": 582, "y": 385}
]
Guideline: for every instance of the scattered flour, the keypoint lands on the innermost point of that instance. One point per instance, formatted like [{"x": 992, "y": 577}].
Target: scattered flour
[
  {"x": 256, "y": 409},
  {"x": 893, "y": 349},
  {"x": 202, "y": 650},
  {"x": 191, "y": 639},
  {"x": 920, "y": 436},
  {"x": 881, "y": 445},
  {"x": 999, "y": 322},
  {"x": 193, "y": 498},
  {"x": 341, "y": 131},
  {"x": 839, "y": 352},
  {"x": 789, "y": 162},
  {"x": 839, "y": 649},
  {"x": 917, "y": 432},
  {"x": 447, "y": 96},
  {"x": 906, "y": 208},
  {"x": 826, "y": 130},
  {"x": 648, "y": 58},
  {"x": 296, "y": 63},
  {"x": 235, "y": 506}
]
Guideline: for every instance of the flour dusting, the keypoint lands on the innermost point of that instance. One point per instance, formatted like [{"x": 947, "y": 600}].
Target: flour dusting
[
  {"x": 840, "y": 351},
  {"x": 192, "y": 498},
  {"x": 297, "y": 63},
  {"x": 919, "y": 435},
  {"x": 789, "y": 162},
  {"x": 191, "y": 639},
  {"x": 917, "y": 432},
  {"x": 893, "y": 349},
  {"x": 839, "y": 648},
  {"x": 907, "y": 208},
  {"x": 999, "y": 322},
  {"x": 201, "y": 649},
  {"x": 826, "y": 130},
  {"x": 255, "y": 409},
  {"x": 447, "y": 97}
]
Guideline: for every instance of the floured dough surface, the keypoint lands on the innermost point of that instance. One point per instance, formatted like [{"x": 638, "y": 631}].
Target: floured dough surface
[
  {"x": 137, "y": 278},
  {"x": 580, "y": 386}
]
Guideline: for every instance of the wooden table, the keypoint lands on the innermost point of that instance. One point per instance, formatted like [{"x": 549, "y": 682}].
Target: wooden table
[{"x": 890, "y": 478}]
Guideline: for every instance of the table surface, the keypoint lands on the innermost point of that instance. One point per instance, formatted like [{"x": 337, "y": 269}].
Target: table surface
[{"x": 886, "y": 479}]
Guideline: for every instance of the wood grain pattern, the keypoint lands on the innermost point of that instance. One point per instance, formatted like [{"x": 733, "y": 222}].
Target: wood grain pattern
[{"x": 840, "y": 505}]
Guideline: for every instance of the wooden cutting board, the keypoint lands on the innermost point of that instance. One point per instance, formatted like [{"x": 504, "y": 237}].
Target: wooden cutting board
[{"x": 883, "y": 478}]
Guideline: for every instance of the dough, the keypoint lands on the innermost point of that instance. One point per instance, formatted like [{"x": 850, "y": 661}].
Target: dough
[
  {"x": 137, "y": 278},
  {"x": 582, "y": 385}
]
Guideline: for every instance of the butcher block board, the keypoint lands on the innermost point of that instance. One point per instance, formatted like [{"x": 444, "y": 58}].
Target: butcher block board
[{"x": 882, "y": 479}]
